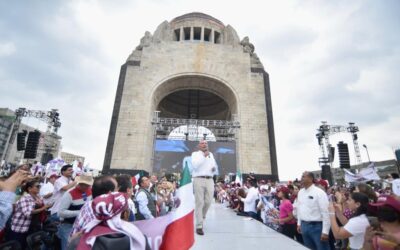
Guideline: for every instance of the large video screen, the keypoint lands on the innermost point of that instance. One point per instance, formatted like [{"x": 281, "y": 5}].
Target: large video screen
[{"x": 172, "y": 155}]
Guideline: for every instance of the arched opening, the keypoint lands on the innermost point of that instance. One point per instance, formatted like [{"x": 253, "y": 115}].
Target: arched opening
[
  {"x": 194, "y": 104},
  {"x": 175, "y": 91},
  {"x": 188, "y": 108}
]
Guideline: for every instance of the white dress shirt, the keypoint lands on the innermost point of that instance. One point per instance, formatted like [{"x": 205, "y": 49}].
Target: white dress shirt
[
  {"x": 202, "y": 166},
  {"x": 250, "y": 200},
  {"x": 142, "y": 201},
  {"x": 45, "y": 190},
  {"x": 312, "y": 205}
]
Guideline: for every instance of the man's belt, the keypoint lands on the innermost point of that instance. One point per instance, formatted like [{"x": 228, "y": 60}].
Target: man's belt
[{"x": 204, "y": 177}]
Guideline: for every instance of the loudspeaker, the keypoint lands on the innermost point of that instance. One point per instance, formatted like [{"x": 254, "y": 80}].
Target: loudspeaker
[
  {"x": 326, "y": 174},
  {"x": 21, "y": 138},
  {"x": 331, "y": 154},
  {"x": 32, "y": 145},
  {"x": 46, "y": 157},
  {"x": 344, "y": 158}
]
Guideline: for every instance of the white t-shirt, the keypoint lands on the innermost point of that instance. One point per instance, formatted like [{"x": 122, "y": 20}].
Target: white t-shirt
[
  {"x": 396, "y": 186},
  {"x": 58, "y": 192},
  {"x": 356, "y": 226}
]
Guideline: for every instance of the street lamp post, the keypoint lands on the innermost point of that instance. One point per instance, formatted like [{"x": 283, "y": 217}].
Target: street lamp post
[{"x": 366, "y": 148}]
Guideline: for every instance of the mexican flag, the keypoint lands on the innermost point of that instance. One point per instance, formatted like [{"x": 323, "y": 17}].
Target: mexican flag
[
  {"x": 238, "y": 178},
  {"x": 135, "y": 179},
  {"x": 175, "y": 230},
  {"x": 180, "y": 233}
]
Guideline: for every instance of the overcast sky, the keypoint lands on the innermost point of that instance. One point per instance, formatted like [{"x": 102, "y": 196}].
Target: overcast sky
[{"x": 335, "y": 61}]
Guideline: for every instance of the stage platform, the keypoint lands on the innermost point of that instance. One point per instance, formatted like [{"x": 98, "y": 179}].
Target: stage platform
[{"x": 224, "y": 230}]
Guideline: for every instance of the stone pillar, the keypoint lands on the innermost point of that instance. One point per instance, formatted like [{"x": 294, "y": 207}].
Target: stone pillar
[
  {"x": 182, "y": 35},
  {"x": 212, "y": 36},
  {"x": 202, "y": 34},
  {"x": 191, "y": 33}
]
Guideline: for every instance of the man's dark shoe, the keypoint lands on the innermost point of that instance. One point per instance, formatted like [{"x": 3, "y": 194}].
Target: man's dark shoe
[{"x": 199, "y": 231}]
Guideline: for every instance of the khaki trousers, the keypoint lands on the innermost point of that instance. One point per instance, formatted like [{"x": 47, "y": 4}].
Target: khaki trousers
[{"x": 203, "y": 195}]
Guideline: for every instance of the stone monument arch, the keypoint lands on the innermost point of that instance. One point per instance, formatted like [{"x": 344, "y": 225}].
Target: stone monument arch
[{"x": 194, "y": 69}]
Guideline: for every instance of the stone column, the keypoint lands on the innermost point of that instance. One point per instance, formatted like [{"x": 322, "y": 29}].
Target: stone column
[
  {"x": 182, "y": 35},
  {"x": 212, "y": 36},
  {"x": 202, "y": 34},
  {"x": 191, "y": 33}
]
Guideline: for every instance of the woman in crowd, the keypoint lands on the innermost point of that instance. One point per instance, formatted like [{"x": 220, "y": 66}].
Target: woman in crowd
[
  {"x": 343, "y": 212},
  {"x": 356, "y": 226},
  {"x": 165, "y": 197},
  {"x": 367, "y": 190},
  {"x": 30, "y": 213},
  {"x": 386, "y": 234},
  {"x": 286, "y": 219}
]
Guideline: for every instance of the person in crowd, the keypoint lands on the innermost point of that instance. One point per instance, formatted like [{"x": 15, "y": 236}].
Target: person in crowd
[
  {"x": 153, "y": 181},
  {"x": 367, "y": 190},
  {"x": 250, "y": 208},
  {"x": 385, "y": 234},
  {"x": 30, "y": 213},
  {"x": 204, "y": 167},
  {"x": 286, "y": 219},
  {"x": 295, "y": 193},
  {"x": 312, "y": 214},
  {"x": 7, "y": 194},
  {"x": 125, "y": 186},
  {"x": 103, "y": 184},
  {"x": 273, "y": 187},
  {"x": 108, "y": 209},
  {"x": 294, "y": 190},
  {"x": 146, "y": 203},
  {"x": 165, "y": 197},
  {"x": 47, "y": 189},
  {"x": 396, "y": 184},
  {"x": 323, "y": 184},
  {"x": 62, "y": 184},
  {"x": 355, "y": 228},
  {"x": 24, "y": 167},
  {"x": 70, "y": 205},
  {"x": 269, "y": 213}
]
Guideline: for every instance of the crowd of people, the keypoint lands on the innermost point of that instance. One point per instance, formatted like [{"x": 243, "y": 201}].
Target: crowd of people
[
  {"x": 80, "y": 212},
  {"x": 70, "y": 211},
  {"x": 319, "y": 216}
]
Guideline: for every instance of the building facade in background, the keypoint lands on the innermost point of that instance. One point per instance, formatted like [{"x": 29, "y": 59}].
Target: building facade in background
[
  {"x": 195, "y": 68},
  {"x": 70, "y": 158}
]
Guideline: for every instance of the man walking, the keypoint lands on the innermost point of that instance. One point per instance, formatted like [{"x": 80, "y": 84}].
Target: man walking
[
  {"x": 312, "y": 214},
  {"x": 204, "y": 167}
]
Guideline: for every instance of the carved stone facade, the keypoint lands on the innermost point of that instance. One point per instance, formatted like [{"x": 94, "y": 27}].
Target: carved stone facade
[{"x": 192, "y": 52}]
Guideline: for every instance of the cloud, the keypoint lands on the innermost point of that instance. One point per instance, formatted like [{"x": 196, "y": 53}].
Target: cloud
[{"x": 7, "y": 49}]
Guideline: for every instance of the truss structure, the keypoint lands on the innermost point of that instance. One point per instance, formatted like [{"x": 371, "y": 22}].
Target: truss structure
[
  {"x": 325, "y": 130},
  {"x": 223, "y": 130},
  {"x": 50, "y": 117}
]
